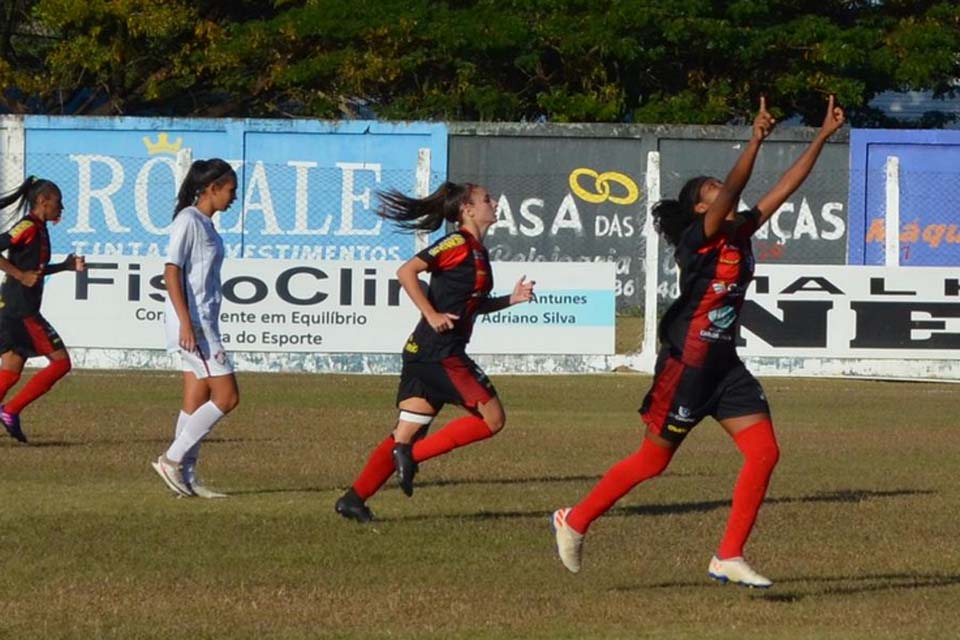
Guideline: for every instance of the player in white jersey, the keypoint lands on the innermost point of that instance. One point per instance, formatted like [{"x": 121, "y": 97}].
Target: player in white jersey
[{"x": 192, "y": 277}]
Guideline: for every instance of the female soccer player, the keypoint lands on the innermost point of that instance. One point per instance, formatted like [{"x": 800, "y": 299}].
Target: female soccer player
[
  {"x": 24, "y": 333},
  {"x": 192, "y": 320},
  {"x": 698, "y": 372},
  {"x": 436, "y": 369}
]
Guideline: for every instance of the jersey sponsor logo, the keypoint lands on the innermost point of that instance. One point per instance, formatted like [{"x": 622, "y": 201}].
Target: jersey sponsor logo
[
  {"x": 730, "y": 256},
  {"x": 454, "y": 240}
]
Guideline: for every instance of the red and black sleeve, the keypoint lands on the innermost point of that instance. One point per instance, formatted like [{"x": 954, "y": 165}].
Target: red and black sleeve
[{"x": 446, "y": 253}]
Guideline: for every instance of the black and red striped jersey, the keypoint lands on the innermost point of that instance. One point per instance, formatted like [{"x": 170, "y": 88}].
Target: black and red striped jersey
[
  {"x": 27, "y": 244},
  {"x": 460, "y": 281},
  {"x": 700, "y": 326}
]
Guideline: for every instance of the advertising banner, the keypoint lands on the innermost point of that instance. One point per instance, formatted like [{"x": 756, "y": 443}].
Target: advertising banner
[
  {"x": 927, "y": 191},
  {"x": 814, "y": 311},
  {"x": 330, "y": 307},
  {"x": 307, "y": 189},
  {"x": 562, "y": 195}
]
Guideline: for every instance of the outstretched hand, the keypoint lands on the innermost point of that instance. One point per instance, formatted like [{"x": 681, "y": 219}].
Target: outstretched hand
[
  {"x": 834, "y": 118},
  {"x": 522, "y": 291},
  {"x": 763, "y": 123}
]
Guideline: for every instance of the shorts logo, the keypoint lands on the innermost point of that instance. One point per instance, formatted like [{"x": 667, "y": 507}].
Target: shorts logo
[
  {"x": 675, "y": 429},
  {"x": 220, "y": 357},
  {"x": 682, "y": 414},
  {"x": 411, "y": 347}
]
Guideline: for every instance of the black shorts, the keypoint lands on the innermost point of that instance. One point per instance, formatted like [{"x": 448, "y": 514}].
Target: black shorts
[
  {"x": 29, "y": 336},
  {"x": 454, "y": 380},
  {"x": 682, "y": 396}
]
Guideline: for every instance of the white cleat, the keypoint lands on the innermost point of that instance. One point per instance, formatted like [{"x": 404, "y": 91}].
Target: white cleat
[
  {"x": 201, "y": 491},
  {"x": 172, "y": 476},
  {"x": 737, "y": 571},
  {"x": 569, "y": 542}
]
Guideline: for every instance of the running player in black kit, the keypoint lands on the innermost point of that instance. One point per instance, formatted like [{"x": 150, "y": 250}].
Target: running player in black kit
[
  {"x": 24, "y": 333},
  {"x": 698, "y": 373},
  {"x": 436, "y": 369}
]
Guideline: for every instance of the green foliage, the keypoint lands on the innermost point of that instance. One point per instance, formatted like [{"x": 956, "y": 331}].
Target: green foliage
[{"x": 682, "y": 61}]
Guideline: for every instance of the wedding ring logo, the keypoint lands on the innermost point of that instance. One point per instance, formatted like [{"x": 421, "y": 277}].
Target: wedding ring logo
[{"x": 626, "y": 191}]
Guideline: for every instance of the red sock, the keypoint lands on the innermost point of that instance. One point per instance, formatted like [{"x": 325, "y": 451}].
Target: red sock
[
  {"x": 378, "y": 470},
  {"x": 649, "y": 461},
  {"x": 760, "y": 455},
  {"x": 456, "y": 433},
  {"x": 41, "y": 382},
  {"x": 7, "y": 380}
]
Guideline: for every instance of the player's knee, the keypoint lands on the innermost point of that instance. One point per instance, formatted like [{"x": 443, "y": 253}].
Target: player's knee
[
  {"x": 227, "y": 402},
  {"x": 496, "y": 422},
  {"x": 767, "y": 453}
]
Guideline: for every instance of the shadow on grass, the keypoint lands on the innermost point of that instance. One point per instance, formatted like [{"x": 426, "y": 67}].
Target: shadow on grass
[
  {"x": 164, "y": 440},
  {"x": 845, "y": 495},
  {"x": 840, "y": 495},
  {"x": 804, "y": 587}
]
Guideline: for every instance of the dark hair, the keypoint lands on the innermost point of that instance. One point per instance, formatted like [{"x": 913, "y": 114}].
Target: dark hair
[
  {"x": 27, "y": 193},
  {"x": 427, "y": 213},
  {"x": 201, "y": 175},
  {"x": 672, "y": 217}
]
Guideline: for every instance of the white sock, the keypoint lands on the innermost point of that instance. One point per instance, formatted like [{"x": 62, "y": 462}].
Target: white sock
[
  {"x": 189, "y": 462},
  {"x": 181, "y": 420},
  {"x": 196, "y": 428}
]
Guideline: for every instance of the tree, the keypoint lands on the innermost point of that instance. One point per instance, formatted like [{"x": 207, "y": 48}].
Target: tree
[{"x": 670, "y": 61}]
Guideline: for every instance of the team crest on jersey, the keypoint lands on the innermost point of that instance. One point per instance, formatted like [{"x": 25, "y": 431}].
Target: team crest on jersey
[
  {"x": 454, "y": 240},
  {"x": 722, "y": 317}
]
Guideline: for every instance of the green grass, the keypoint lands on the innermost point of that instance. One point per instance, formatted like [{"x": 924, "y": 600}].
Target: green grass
[
  {"x": 859, "y": 531},
  {"x": 629, "y": 334}
]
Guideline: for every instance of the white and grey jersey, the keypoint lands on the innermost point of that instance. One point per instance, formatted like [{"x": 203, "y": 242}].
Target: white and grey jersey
[{"x": 197, "y": 249}]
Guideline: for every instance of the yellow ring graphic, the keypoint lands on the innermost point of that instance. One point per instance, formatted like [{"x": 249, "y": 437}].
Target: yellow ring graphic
[{"x": 602, "y": 186}]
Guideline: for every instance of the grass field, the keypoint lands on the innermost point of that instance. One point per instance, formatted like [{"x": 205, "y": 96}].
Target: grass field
[{"x": 859, "y": 531}]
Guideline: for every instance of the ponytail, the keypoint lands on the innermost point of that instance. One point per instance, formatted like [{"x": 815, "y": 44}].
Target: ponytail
[
  {"x": 27, "y": 193},
  {"x": 672, "y": 217},
  {"x": 201, "y": 175},
  {"x": 427, "y": 213}
]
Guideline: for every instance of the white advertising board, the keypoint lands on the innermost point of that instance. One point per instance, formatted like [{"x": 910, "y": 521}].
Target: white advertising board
[
  {"x": 814, "y": 311},
  {"x": 330, "y": 307}
]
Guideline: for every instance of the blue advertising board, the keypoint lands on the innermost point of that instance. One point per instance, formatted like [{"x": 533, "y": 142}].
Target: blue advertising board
[
  {"x": 929, "y": 196},
  {"x": 306, "y": 188}
]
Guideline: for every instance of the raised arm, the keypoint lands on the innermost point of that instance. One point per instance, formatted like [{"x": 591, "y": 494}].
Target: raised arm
[
  {"x": 729, "y": 195},
  {"x": 800, "y": 169}
]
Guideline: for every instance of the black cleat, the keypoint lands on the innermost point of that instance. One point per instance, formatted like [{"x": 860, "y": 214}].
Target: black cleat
[
  {"x": 11, "y": 422},
  {"x": 405, "y": 466},
  {"x": 352, "y": 507}
]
